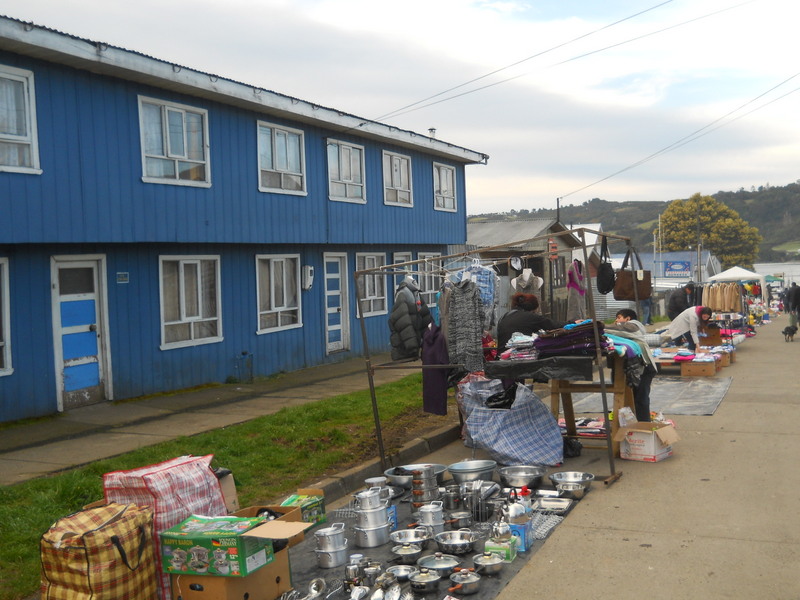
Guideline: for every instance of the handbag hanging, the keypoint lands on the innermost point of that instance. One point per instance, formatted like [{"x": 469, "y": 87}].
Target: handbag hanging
[
  {"x": 628, "y": 278},
  {"x": 101, "y": 553},
  {"x": 605, "y": 271}
]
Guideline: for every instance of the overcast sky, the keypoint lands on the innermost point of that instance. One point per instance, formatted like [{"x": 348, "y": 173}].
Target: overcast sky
[{"x": 572, "y": 97}]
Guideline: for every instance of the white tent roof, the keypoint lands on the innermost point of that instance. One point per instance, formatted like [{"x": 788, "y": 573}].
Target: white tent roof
[{"x": 739, "y": 274}]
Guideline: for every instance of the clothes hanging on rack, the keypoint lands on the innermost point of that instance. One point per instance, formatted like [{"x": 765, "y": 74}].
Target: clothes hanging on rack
[
  {"x": 576, "y": 291},
  {"x": 722, "y": 297},
  {"x": 408, "y": 320},
  {"x": 434, "y": 381},
  {"x": 465, "y": 325},
  {"x": 487, "y": 281}
]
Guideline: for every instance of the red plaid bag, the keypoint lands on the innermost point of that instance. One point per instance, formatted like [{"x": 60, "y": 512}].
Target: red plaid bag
[
  {"x": 174, "y": 489},
  {"x": 101, "y": 553}
]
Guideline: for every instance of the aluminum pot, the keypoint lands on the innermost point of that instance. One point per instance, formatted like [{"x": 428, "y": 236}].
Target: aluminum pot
[
  {"x": 451, "y": 498},
  {"x": 372, "y": 536},
  {"x": 374, "y": 517},
  {"x": 460, "y": 519},
  {"x": 466, "y": 582},
  {"x": 331, "y": 538},
  {"x": 418, "y": 536},
  {"x": 371, "y": 498},
  {"x": 407, "y": 554},
  {"x": 431, "y": 513},
  {"x": 442, "y": 563},
  {"x": 425, "y": 581},
  {"x": 488, "y": 563},
  {"x": 459, "y": 541},
  {"x": 425, "y": 495},
  {"x": 328, "y": 559},
  {"x": 402, "y": 572}
]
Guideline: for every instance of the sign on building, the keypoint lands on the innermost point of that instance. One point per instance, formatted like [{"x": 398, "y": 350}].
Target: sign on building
[{"x": 677, "y": 268}]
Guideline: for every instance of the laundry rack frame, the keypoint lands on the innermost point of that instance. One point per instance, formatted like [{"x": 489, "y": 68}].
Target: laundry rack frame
[{"x": 401, "y": 267}]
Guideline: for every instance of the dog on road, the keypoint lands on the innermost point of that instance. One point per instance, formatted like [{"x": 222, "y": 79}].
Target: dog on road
[{"x": 788, "y": 333}]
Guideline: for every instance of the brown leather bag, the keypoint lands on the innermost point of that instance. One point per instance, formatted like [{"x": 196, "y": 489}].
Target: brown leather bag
[{"x": 628, "y": 277}]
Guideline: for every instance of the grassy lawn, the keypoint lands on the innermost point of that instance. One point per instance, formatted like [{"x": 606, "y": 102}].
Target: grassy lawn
[{"x": 270, "y": 457}]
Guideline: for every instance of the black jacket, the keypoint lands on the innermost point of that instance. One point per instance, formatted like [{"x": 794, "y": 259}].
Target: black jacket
[{"x": 408, "y": 320}]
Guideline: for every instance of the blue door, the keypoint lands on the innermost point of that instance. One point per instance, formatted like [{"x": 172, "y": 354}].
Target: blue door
[{"x": 79, "y": 334}]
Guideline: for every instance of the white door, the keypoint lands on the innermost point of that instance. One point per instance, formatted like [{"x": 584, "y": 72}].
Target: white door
[
  {"x": 80, "y": 330},
  {"x": 337, "y": 320}
]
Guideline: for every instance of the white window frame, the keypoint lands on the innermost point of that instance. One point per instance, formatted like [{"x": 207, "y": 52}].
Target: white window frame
[
  {"x": 6, "y": 367},
  {"x": 279, "y": 136},
  {"x": 430, "y": 278},
  {"x": 444, "y": 199},
  {"x": 401, "y": 257},
  {"x": 397, "y": 167},
  {"x": 191, "y": 320},
  {"x": 278, "y": 305},
  {"x": 372, "y": 286},
  {"x": 346, "y": 167},
  {"x": 31, "y": 136},
  {"x": 177, "y": 157}
]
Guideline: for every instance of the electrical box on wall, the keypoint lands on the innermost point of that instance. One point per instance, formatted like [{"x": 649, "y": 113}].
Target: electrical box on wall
[{"x": 307, "y": 277}]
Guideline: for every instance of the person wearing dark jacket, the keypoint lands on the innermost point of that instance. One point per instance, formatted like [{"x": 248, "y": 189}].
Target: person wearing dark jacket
[
  {"x": 524, "y": 319},
  {"x": 408, "y": 320}
]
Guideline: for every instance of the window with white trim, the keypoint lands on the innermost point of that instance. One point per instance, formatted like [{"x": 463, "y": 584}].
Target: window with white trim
[
  {"x": 430, "y": 276},
  {"x": 190, "y": 301},
  {"x": 5, "y": 316},
  {"x": 444, "y": 187},
  {"x": 281, "y": 159},
  {"x": 401, "y": 257},
  {"x": 397, "y": 179},
  {"x": 175, "y": 147},
  {"x": 278, "y": 279},
  {"x": 371, "y": 287},
  {"x": 346, "y": 172},
  {"x": 19, "y": 150}
]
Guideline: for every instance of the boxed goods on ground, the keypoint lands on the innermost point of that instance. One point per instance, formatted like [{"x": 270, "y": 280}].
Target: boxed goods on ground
[
  {"x": 223, "y": 546},
  {"x": 521, "y": 528},
  {"x": 311, "y": 502},
  {"x": 268, "y": 582},
  {"x": 647, "y": 442},
  {"x": 696, "y": 368},
  {"x": 291, "y": 514},
  {"x": 506, "y": 549}
]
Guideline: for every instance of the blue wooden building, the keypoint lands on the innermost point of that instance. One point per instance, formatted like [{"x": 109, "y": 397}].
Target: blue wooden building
[{"x": 162, "y": 228}]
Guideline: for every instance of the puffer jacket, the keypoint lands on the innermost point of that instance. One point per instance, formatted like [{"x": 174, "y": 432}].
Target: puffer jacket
[{"x": 407, "y": 321}]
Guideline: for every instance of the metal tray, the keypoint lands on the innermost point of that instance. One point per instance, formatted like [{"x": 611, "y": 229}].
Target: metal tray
[{"x": 556, "y": 506}]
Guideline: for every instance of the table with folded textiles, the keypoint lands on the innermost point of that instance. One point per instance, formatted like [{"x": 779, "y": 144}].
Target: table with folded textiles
[{"x": 568, "y": 375}]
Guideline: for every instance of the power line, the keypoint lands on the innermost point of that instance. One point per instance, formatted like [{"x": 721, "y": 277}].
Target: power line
[
  {"x": 697, "y": 134},
  {"x": 514, "y": 64},
  {"x": 402, "y": 111}
]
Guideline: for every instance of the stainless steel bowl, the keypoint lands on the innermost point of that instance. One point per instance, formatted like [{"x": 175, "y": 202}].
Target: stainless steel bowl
[
  {"x": 419, "y": 535},
  {"x": 575, "y": 491},
  {"x": 459, "y": 541},
  {"x": 521, "y": 476},
  {"x": 404, "y": 481},
  {"x": 472, "y": 470},
  {"x": 572, "y": 477},
  {"x": 402, "y": 572}
]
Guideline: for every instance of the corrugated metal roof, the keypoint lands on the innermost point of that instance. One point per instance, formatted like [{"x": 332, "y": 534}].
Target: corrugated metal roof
[
  {"x": 485, "y": 234},
  {"x": 30, "y": 39}
]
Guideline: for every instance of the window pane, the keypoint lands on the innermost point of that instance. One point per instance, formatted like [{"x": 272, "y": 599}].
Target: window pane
[
  {"x": 191, "y": 302},
  {"x": 355, "y": 165},
  {"x": 12, "y": 108},
  {"x": 191, "y": 171},
  {"x": 281, "y": 161},
  {"x": 178, "y": 332},
  {"x": 15, "y": 155},
  {"x": 76, "y": 280},
  {"x": 270, "y": 179},
  {"x": 160, "y": 167},
  {"x": 194, "y": 136},
  {"x": 153, "y": 131},
  {"x": 264, "y": 285},
  {"x": 291, "y": 283},
  {"x": 333, "y": 163},
  {"x": 355, "y": 191},
  {"x": 175, "y": 133},
  {"x": 279, "y": 282},
  {"x": 293, "y": 153},
  {"x": 265, "y": 148},
  {"x": 292, "y": 182},
  {"x": 347, "y": 163},
  {"x": 209, "y": 287},
  {"x": 268, "y": 320},
  {"x": 205, "y": 329},
  {"x": 170, "y": 291},
  {"x": 339, "y": 189}
]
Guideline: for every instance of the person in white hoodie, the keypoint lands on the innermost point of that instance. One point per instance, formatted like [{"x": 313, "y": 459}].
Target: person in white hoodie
[{"x": 628, "y": 326}]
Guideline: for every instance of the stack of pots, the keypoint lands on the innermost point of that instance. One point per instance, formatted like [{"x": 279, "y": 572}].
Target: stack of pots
[
  {"x": 424, "y": 486},
  {"x": 331, "y": 546},
  {"x": 431, "y": 517},
  {"x": 372, "y": 518}
]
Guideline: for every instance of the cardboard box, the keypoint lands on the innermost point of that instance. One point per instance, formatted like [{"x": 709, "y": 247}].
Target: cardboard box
[
  {"x": 311, "y": 502},
  {"x": 646, "y": 442},
  {"x": 691, "y": 368},
  {"x": 291, "y": 514},
  {"x": 214, "y": 546},
  {"x": 724, "y": 359},
  {"x": 508, "y": 550},
  {"x": 521, "y": 528},
  {"x": 266, "y": 583}
]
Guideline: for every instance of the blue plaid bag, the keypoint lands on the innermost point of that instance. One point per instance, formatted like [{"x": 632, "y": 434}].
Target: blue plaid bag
[{"x": 525, "y": 434}]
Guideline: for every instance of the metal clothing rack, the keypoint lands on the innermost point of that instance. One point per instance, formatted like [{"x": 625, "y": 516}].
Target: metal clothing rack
[{"x": 598, "y": 362}]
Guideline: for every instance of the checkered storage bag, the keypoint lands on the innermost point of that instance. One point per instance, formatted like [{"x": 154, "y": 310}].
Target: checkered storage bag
[
  {"x": 174, "y": 489},
  {"x": 101, "y": 553}
]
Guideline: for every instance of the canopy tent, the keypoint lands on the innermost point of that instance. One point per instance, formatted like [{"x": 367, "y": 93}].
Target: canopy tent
[{"x": 740, "y": 274}]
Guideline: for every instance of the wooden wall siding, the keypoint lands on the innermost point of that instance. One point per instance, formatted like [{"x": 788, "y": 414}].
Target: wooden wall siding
[
  {"x": 91, "y": 188},
  {"x": 139, "y": 366}
]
